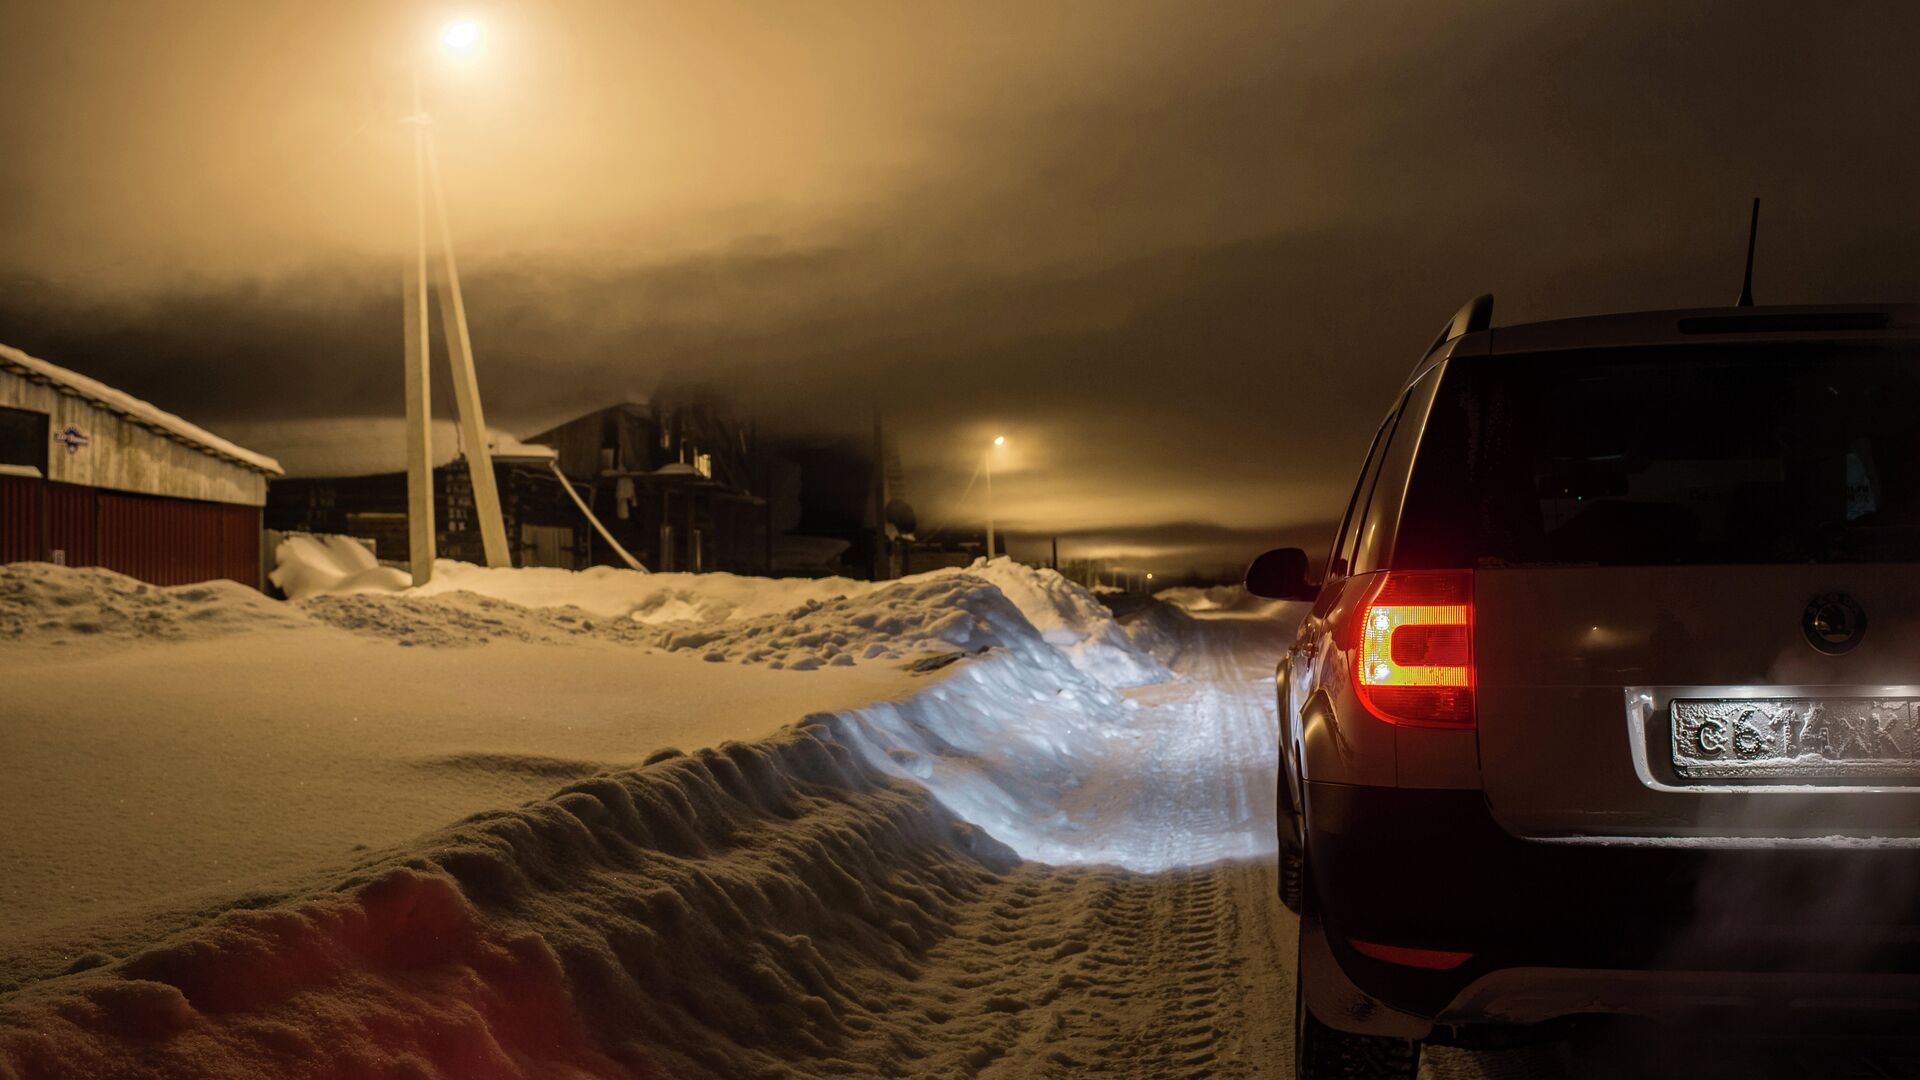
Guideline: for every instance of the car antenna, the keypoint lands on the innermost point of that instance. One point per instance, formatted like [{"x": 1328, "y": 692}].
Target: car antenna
[{"x": 1753, "y": 234}]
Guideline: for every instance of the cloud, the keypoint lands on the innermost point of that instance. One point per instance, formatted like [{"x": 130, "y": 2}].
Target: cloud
[{"x": 1182, "y": 255}]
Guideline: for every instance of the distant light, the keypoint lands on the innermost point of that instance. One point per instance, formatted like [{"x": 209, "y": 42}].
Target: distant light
[
  {"x": 1149, "y": 575},
  {"x": 461, "y": 36},
  {"x": 999, "y": 440}
]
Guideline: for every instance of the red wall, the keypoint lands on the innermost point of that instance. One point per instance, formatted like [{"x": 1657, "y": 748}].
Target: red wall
[
  {"x": 158, "y": 540},
  {"x": 72, "y": 517},
  {"x": 19, "y": 518}
]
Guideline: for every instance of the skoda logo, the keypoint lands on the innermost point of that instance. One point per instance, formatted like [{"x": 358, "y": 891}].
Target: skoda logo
[{"x": 1834, "y": 623}]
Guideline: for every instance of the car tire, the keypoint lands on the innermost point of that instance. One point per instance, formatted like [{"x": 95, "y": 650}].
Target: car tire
[{"x": 1324, "y": 1053}]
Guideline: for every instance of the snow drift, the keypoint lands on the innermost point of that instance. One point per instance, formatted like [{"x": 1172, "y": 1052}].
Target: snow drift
[
  {"x": 44, "y": 604},
  {"x": 782, "y": 622},
  {"x": 307, "y": 566},
  {"x": 731, "y": 913}
]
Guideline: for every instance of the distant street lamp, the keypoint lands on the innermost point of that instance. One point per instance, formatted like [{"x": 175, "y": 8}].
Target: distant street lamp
[
  {"x": 998, "y": 440},
  {"x": 462, "y": 37}
]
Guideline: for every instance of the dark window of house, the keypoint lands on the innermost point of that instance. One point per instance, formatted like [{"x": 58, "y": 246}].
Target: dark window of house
[
  {"x": 23, "y": 438},
  {"x": 1681, "y": 455}
]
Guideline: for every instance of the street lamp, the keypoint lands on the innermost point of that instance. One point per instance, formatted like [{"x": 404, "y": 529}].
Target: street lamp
[
  {"x": 461, "y": 35},
  {"x": 460, "y": 38},
  {"x": 998, "y": 440}
]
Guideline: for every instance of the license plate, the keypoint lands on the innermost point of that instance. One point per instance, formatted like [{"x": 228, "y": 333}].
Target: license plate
[{"x": 1797, "y": 738}]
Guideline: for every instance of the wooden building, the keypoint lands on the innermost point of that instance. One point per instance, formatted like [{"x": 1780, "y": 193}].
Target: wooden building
[
  {"x": 92, "y": 476},
  {"x": 544, "y": 528},
  {"x": 676, "y": 485}
]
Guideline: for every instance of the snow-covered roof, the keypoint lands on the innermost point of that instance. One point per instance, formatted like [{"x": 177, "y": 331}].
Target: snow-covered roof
[
  {"x": 339, "y": 446},
  {"x": 140, "y": 412},
  {"x": 510, "y": 448}
]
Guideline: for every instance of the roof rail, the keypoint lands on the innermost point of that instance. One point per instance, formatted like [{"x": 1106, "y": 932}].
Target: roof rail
[{"x": 1477, "y": 314}]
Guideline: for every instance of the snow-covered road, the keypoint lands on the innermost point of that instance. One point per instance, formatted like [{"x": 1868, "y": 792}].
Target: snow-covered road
[
  {"x": 1185, "y": 970},
  {"x": 1012, "y": 839}
]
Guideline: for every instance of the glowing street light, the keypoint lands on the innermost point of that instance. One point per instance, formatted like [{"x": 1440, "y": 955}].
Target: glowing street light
[
  {"x": 998, "y": 440},
  {"x": 462, "y": 36}
]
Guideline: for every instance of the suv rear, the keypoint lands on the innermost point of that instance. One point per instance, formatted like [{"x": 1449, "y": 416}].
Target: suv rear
[{"x": 1608, "y": 703}]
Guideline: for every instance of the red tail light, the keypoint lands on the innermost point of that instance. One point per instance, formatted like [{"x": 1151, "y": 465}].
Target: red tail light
[{"x": 1413, "y": 663}]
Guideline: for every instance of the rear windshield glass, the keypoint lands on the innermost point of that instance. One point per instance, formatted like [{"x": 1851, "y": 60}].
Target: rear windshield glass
[{"x": 1694, "y": 454}]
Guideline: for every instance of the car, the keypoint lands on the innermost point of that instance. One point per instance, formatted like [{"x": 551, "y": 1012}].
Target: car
[{"x": 1608, "y": 701}]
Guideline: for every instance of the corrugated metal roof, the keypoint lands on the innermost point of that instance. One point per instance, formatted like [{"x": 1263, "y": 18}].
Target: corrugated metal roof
[{"x": 140, "y": 412}]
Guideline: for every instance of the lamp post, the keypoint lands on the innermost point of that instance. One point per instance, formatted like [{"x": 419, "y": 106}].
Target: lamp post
[
  {"x": 462, "y": 37},
  {"x": 998, "y": 440}
]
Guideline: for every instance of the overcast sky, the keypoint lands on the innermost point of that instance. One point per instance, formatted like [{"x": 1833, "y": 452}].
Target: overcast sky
[{"x": 1180, "y": 254}]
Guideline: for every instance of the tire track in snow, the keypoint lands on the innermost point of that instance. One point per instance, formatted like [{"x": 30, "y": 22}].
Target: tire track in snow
[{"x": 1183, "y": 973}]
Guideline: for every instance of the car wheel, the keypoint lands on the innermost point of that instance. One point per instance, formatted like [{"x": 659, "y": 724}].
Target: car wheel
[{"x": 1324, "y": 1053}]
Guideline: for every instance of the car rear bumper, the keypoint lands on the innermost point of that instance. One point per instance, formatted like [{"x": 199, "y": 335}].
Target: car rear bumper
[{"x": 1557, "y": 930}]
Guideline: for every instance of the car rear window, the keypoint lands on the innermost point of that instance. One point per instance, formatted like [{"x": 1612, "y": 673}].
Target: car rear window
[{"x": 1690, "y": 454}]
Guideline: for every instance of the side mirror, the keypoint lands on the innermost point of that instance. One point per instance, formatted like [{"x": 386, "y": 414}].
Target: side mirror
[{"x": 1281, "y": 574}]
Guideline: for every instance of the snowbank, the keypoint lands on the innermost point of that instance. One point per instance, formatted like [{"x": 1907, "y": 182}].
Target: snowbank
[
  {"x": 783, "y": 622},
  {"x": 307, "y": 566},
  {"x": 44, "y": 604},
  {"x": 1070, "y": 619},
  {"x": 738, "y": 912}
]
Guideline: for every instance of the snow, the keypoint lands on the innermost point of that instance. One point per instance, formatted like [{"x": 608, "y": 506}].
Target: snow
[
  {"x": 441, "y": 832},
  {"x": 1221, "y": 600},
  {"x": 127, "y": 405},
  {"x": 166, "y": 746},
  {"x": 720, "y": 914},
  {"x": 783, "y": 622},
  {"x": 306, "y": 566}
]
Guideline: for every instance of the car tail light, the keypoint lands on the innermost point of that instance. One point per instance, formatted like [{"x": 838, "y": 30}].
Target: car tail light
[{"x": 1414, "y": 660}]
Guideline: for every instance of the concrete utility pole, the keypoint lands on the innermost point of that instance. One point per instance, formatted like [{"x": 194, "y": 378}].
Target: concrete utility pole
[
  {"x": 413, "y": 291},
  {"x": 466, "y": 385},
  {"x": 466, "y": 388}
]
